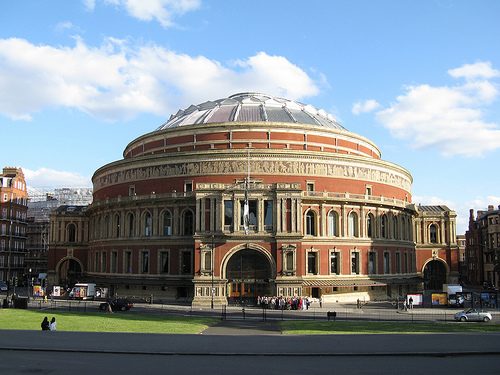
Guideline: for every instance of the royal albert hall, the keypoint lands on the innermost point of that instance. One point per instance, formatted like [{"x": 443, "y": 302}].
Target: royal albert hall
[{"x": 327, "y": 217}]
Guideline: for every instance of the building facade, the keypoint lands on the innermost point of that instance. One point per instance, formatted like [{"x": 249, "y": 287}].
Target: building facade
[
  {"x": 245, "y": 196},
  {"x": 482, "y": 249},
  {"x": 436, "y": 246},
  {"x": 13, "y": 209}
]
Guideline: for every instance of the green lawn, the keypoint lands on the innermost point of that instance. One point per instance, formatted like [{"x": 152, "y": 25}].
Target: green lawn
[
  {"x": 365, "y": 327},
  {"x": 103, "y": 322}
]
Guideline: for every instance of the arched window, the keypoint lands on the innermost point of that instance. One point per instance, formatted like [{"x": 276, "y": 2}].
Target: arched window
[
  {"x": 167, "y": 223},
  {"x": 370, "y": 226},
  {"x": 130, "y": 224},
  {"x": 71, "y": 233},
  {"x": 383, "y": 226},
  {"x": 333, "y": 224},
  {"x": 433, "y": 233},
  {"x": 97, "y": 228},
  {"x": 310, "y": 223},
  {"x": 148, "y": 224},
  {"x": 395, "y": 228},
  {"x": 188, "y": 223},
  {"x": 117, "y": 225},
  {"x": 106, "y": 226},
  {"x": 352, "y": 223}
]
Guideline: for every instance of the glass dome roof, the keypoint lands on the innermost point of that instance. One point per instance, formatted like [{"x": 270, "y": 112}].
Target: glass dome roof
[{"x": 251, "y": 107}]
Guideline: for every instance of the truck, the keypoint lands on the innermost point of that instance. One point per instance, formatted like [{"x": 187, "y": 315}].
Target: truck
[
  {"x": 83, "y": 291},
  {"x": 455, "y": 296}
]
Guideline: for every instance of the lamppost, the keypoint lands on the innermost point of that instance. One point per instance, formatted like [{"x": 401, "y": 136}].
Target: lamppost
[
  {"x": 29, "y": 278},
  {"x": 212, "y": 264}
]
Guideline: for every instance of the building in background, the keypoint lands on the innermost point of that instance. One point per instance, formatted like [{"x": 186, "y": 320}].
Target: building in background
[
  {"x": 13, "y": 224},
  {"x": 462, "y": 266},
  {"x": 482, "y": 248},
  {"x": 41, "y": 204},
  {"x": 436, "y": 246},
  {"x": 246, "y": 196}
]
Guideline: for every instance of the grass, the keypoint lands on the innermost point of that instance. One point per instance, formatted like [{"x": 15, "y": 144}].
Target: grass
[
  {"x": 364, "y": 327},
  {"x": 102, "y": 322}
]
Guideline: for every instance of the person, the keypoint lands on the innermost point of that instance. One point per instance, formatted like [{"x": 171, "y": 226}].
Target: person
[
  {"x": 45, "y": 324},
  {"x": 410, "y": 303},
  {"x": 53, "y": 324}
]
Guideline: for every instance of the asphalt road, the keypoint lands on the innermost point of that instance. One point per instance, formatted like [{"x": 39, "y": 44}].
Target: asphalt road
[{"x": 256, "y": 349}]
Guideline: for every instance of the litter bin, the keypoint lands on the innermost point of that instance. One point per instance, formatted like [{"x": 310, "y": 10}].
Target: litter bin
[{"x": 20, "y": 303}]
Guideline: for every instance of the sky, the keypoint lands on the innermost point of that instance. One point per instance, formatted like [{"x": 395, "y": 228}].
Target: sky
[{"x": 81, "y": 79}]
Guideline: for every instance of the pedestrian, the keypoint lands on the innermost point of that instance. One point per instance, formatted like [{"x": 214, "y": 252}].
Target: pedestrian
[
  {"x": 45, "y": 324},
  {"x": 410, "y": 303},
  {"x": 53, "y": 324}
]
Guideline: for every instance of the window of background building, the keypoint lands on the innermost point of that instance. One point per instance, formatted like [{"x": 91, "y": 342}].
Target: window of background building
[
  {"x": 207, "y": 261},
  {"x": 186, "y": 262},
  {"x": 188, "y": 186},
  {"x": 131, "y": 220},
  {"x": 148, "y": 224},
  {"x": 310, "y": 223},
  {"x": 312, "y": 265},
  {"x": 398, "y": 263},
  {"x": 333, "y": 224},
  {"x": 164, "y": 262},
  {"x": 290, "y": 261},
  {"x": 188, "y": 223},
  {"x": 433, "y": 233},
  {"x": 268, "y": 215},
  {"x": 104, "y": 261},
  {"x": 310, "y": 186},
  {"x": 387, "y": 263},
  {"x": 71, "y": 233},
  {"x": 334, "y": 263},
  {"x": 369, "y": 225},
  {"x": 117, "y": 225},
  {"x": 167, "y": 223},
  {"x": 352, "y": 221},
  {"x": 127, "y": 262},
  {"x": 355, "y": 262},
  {"x": 372, "y": 262},
  {"x": 383, "y": 226},
  {"x": 131, "y": 190},
  {"x": 228, "y": 215},
  {"x": 144, "y": 261},
  {"x": 114, "y": 262}
]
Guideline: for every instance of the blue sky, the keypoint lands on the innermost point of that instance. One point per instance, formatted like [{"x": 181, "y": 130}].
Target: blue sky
[{"x": 81, "y": 79}]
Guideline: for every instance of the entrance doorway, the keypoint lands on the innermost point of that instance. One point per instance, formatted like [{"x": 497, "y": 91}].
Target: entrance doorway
[
  {"x": 69, "y": 273},
  {"x": 434, "y": 275},
  {"x": 249, "y": 276}
]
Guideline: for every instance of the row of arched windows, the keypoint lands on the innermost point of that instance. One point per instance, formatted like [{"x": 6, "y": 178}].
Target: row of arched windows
[
  {"x": 130, "y": 224},
  {"x": 385, "y": 226}
]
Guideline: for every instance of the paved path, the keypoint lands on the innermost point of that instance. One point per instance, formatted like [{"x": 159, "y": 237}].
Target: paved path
[{"x": 243, "y": 327}]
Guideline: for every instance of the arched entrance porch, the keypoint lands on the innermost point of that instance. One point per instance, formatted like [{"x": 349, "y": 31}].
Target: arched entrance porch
[
  {"x": 69, "y": 271},
  {"x": 435, "y": 273},
  {"x": 249, "y": 274}
]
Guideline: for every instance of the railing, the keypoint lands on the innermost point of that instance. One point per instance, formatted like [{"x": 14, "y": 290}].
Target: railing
[{"x": 355, "y": 197}]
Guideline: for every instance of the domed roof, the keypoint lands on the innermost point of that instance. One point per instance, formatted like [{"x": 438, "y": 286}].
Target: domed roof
[{"x": 251, "y": 107}]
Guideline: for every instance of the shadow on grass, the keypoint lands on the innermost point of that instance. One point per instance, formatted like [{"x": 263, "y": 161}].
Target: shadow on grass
[{"x": 358, "y": 327}]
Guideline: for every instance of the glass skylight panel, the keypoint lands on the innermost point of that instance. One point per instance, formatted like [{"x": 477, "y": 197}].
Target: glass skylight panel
[
  {"x": 250, "y": 113},
  {"x": 277, "y": 114},
  {"x": 222, "y": 114}
]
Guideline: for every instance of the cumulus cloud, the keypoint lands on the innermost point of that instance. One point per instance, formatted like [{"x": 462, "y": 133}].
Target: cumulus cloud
[
  {"x": 44, "y": 177},
  {"x": 365, "y": 107},
  {"x": 117, "y": 81},
  {"x": 449, "y": 118},
  {"x": 162, "y": 11}
]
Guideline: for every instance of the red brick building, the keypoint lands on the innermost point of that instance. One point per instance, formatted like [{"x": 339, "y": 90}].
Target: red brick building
[
  {"x": 245, "y": 196},
  {"x": 13, "y": 209}
]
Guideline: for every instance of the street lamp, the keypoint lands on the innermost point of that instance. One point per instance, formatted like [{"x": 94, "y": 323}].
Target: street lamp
[
  {"x": 29, "y": 277},
  {"x": 212, "y": 264}
]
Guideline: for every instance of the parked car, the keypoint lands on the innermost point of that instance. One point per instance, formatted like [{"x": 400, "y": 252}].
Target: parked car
[
  {"x": 119, "y": 304},
  {"x": 473, "y": 315},
  {"x": 3, "y": 286}
]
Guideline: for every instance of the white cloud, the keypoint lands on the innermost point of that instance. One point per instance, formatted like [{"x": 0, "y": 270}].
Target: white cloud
[
  {"x": 449, "y": 118},
  {"x": 116, "y": 81},
  {"x": 89, "y": 5},
  {"x": 365, "y": 107},
  {"x": 477, "y": 70},
  {"x": 163, "y": 11},
  {"x": 45, "y": 177}
]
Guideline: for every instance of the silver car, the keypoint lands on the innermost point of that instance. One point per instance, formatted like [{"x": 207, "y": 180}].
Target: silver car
[
  {"x": 473, "y": 315},
  {"x": 3, "y": 286}
]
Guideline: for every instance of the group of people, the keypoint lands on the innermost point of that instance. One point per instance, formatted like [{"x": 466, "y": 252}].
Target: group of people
[
  {"x": 49, "y": 326},
  {"x": 281, "y": 303}
]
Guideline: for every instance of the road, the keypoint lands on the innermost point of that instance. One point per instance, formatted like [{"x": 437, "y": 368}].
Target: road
[{"x": 76, "y": 353}]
